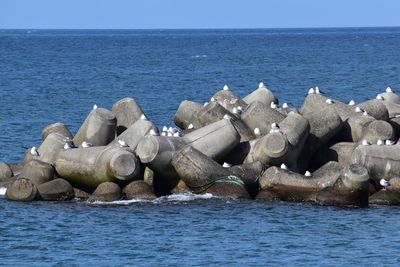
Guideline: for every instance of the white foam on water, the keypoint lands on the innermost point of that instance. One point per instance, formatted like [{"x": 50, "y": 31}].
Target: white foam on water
[
  {"x": 3, "y": 191},
  {"x": 199, "y": 56},
  {"x": 185, "y": 197},
  {"x": 119, "y": 202}
]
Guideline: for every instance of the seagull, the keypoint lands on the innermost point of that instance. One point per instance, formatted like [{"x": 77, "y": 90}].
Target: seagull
[
  {"x": 307, "y": 174},
  {"x": 226, "y": 88},
  {"x": 261, "y": 85},
  {"x": 164, "y": 134},
  {"x": 257, "y": 131},
  {"x": 329, "y": 101},
  {"x": 384, "y": 183},
  {"x": 240, "y": 109},
  {"x": 68, "y": 145},
  {"x": 352, "y": 103},
  {"x": 275, "y": 127},
  {"x": 380, "y": 142},
  {"x": 226, "y": 165},
  {"x": 86, "y": 144},
  {"x": 317, "y": 91},
  {"x": 122, "y": 143},
  {"x": 234, "y": 111},
  {"x": 153, "y": 132},
  {"x": 311, "y": 91},
  {"x": 190, "y": 126},
  {"x": 170, "y": 134},
  {"x": 285, "y": 105},
  {"x": 273, "y": 105},
  {"x": 389, "y": 90},
  {"x": 227, "y": 117},
  {"x": 95, "y": 106},
  {"x": 359, "y": 110},
  {"x": 389, "y": 142},
  {"x": 365, "y": 143},
  {"x": 143, "y": 117},
  {"x": 176, "y": 134},
  {"x": 379, "y": 97},
  {"x": 34, "y": 152},
  {"x": 212, "y": 99},
  {"x": 205, "y": 104},
  {"x": 165, "y": 129},
  {"x": 284, "y": 167}
]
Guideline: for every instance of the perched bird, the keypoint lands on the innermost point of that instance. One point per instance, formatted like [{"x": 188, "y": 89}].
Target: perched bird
[
  {"x": 261, "y": 85},
  {"x": 275, "y": 127},
  {"x": 379, "y": 97},
  {"x": 86, "y": 144},
  {"x": 205, "y": 104},
  {"x": 34, "y": 152},
  {"x": 365, "y": 143},
  {"x": 68, "y": 144},
  {"x": 172, "y": 130},
  {"x": 240, "y": 109},
  {"x": 170, "y": 134},
  {"x": 329, "y": 101},
  {"x": 227, "y": 117},
  {"x": 257, "y": 131},
  {"x": 352, "y": 103},
  {"x": 389, "y": 142},
  {"x": 153, "y": 132},
  {"x": 284, "y": 167},
  {"x": 165, "y": 129},
  {"x": 212, "y": 99},
  {"x": 273, "y": 105},
  {"x": 311, "y": 91},
  {"x": 384, "y": 183},
  {"x": 122, "y": 143},
  {"x": 317, "y": 91},
  {"x": 143, "y": 117},
  {"x": 307, "y": 174},
  {"x": 389, "y": 90},
  {"x": 360, "y": 110},
  {"x": 380, "y": 142},
  {"x": 226, "y": 165},
  {"x": 285, "y": 105},
  {"x": 190, "y": 126},
  {"x": 95, "y": 106},
  {"x": 226, "y": 88},
  {"x": 176, "y": 134},
  {"x": 234, "y": 111}
]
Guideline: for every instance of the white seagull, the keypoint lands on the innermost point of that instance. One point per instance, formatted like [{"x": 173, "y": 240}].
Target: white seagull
[
  {"x": 365, "y": 143},
  {"x": 384, "y": 183},
  {"x": 273, "y": 105},
  {"x": 284, "y": 167},
  {"x": 227, "y": 117},
  {"x": 226, "y": 165},
  {"x": 261, "y": 85},
  {"x": 234, "y": 111},
  {"x": 389, "y": 90},
  {"x": 212, "y": 99},
  {"x": 205, "y": 104},
  {"x": 164, "y": 134},
  {"x": 307, "y": 174},
  {"x": 311, "y": 91},
  {"x": 176, "y": 134},
  {"x": 240, "y": 109},
  {"x": 329, "y": 101},
  {"x": 285, "y": 105},
  {"x": 190, "y": 126},
  {"x": 122, "y": 143},
  {"x": 352, "y": 103},
  {"x": 95, "y": 106},
  {"x": 34, "y": 152},
  {"x": 380, "y": 142},
  {"x": 317, "y": 91},
  {"x": 379, "y": 97},
  {"x": 68, "y": 145},
  {"x": 86, "y": 144},
  {"x": 389, "y": 142},
  {"x": 153, "y": 132},
  {"x": 226, "y": 88},
  {"x": 257, "y": 131},
  {"x": 143, "y": 117},
  {"x": 274, "y": 127},
  {"x": 165, "y": 129}
]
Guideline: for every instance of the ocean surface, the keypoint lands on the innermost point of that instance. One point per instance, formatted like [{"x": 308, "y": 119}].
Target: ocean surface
[{"x": 49, "y": 76}]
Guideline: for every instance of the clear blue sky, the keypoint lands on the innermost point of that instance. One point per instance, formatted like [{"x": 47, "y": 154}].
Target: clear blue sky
[{"x": 149, "y": 14}]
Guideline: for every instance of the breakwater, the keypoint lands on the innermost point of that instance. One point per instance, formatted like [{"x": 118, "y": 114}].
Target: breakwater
[{"x": 327, "y": 152}]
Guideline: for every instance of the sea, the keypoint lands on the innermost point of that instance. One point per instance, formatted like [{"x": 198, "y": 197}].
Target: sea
[{"x": 49, "y": 76}]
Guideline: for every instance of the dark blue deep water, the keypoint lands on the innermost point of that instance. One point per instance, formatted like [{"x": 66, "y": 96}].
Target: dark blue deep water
[{"x": 57, "y": 76}]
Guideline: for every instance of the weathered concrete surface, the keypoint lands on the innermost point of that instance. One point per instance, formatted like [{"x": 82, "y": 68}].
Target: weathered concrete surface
[
  {"x": 315, "y": 102},
  {"x": 5, "y": 171},
  {"x": 229, "y": 100},
  {"x": 56, "y": 190},
  {"x": 376, "y": 109},
  {"x": 261, "y": 94},
  {"x": 38, "y": 172},
  {"x": 127, "y": 112},
  {"x": 138, "y": 189},
  {"x": 339, "y": 152},
  {"x": 185, "y": 114},
  {"x": 51, "y": 146},
  {"x": 57, "y": 127},
  {"x": 107, "y": 191},
  {"x": 22, "y": 190},
  {"x": 388, "y": 196}
]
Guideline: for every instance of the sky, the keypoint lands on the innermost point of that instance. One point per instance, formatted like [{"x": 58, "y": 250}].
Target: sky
[{"x": 182, "y": 14}]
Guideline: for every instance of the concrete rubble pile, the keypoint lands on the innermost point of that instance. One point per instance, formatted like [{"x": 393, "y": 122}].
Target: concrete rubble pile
[{"x": 327, "y": 152}]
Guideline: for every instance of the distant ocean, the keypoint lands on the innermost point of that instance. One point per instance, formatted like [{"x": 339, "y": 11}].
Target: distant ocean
[{"x": 49, "y": 76}]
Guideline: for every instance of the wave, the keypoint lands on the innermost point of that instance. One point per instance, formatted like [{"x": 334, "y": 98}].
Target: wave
[
  {"x": 199, "y": 56},
  {"x": 3, "y": 191},
  {"x": 185, "y": 197}
]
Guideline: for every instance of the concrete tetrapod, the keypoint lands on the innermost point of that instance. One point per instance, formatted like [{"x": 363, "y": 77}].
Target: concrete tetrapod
[
  {"x": 127, "y": 112},
  {"x": 86, "y": 168},
  {"x": 57, "y": 189},
  {"x": 51, "y": 146},
  {"x": 5, "y": 171},
  {"x": 138, "y": 189},
  {"x": 134, "y": 134},
  {"x": 378, "y": 130},
  {"x": 257, "y": 115},
  {"x": 381, "y": 161},
  {"x": 56, "y": 128},
  {"x": 228, "y": 100},
  {"x": 375, "y": 108},
  {"x": 99, "y": 128},
  {"x": 38, "y": 172},
  {"x": 389, "y": 195},
  {"x": 339, "y": 152},
  {"x": 214, "y": 112},
  {"x": 391, "y": 97},
  {"x": 261, "y": 94},
  {"x": 185, "y": 114},
  {"x": 22, "y": 190},
  {"x": 107, "y": 191},
  {"x": 203, "y": 175}
]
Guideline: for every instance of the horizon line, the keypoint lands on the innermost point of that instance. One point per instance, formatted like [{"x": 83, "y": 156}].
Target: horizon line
[{"x": 219, "y": 28}]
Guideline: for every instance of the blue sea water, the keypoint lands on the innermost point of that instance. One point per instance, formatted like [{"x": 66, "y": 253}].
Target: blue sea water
[{"x": 49, "y": 76}]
